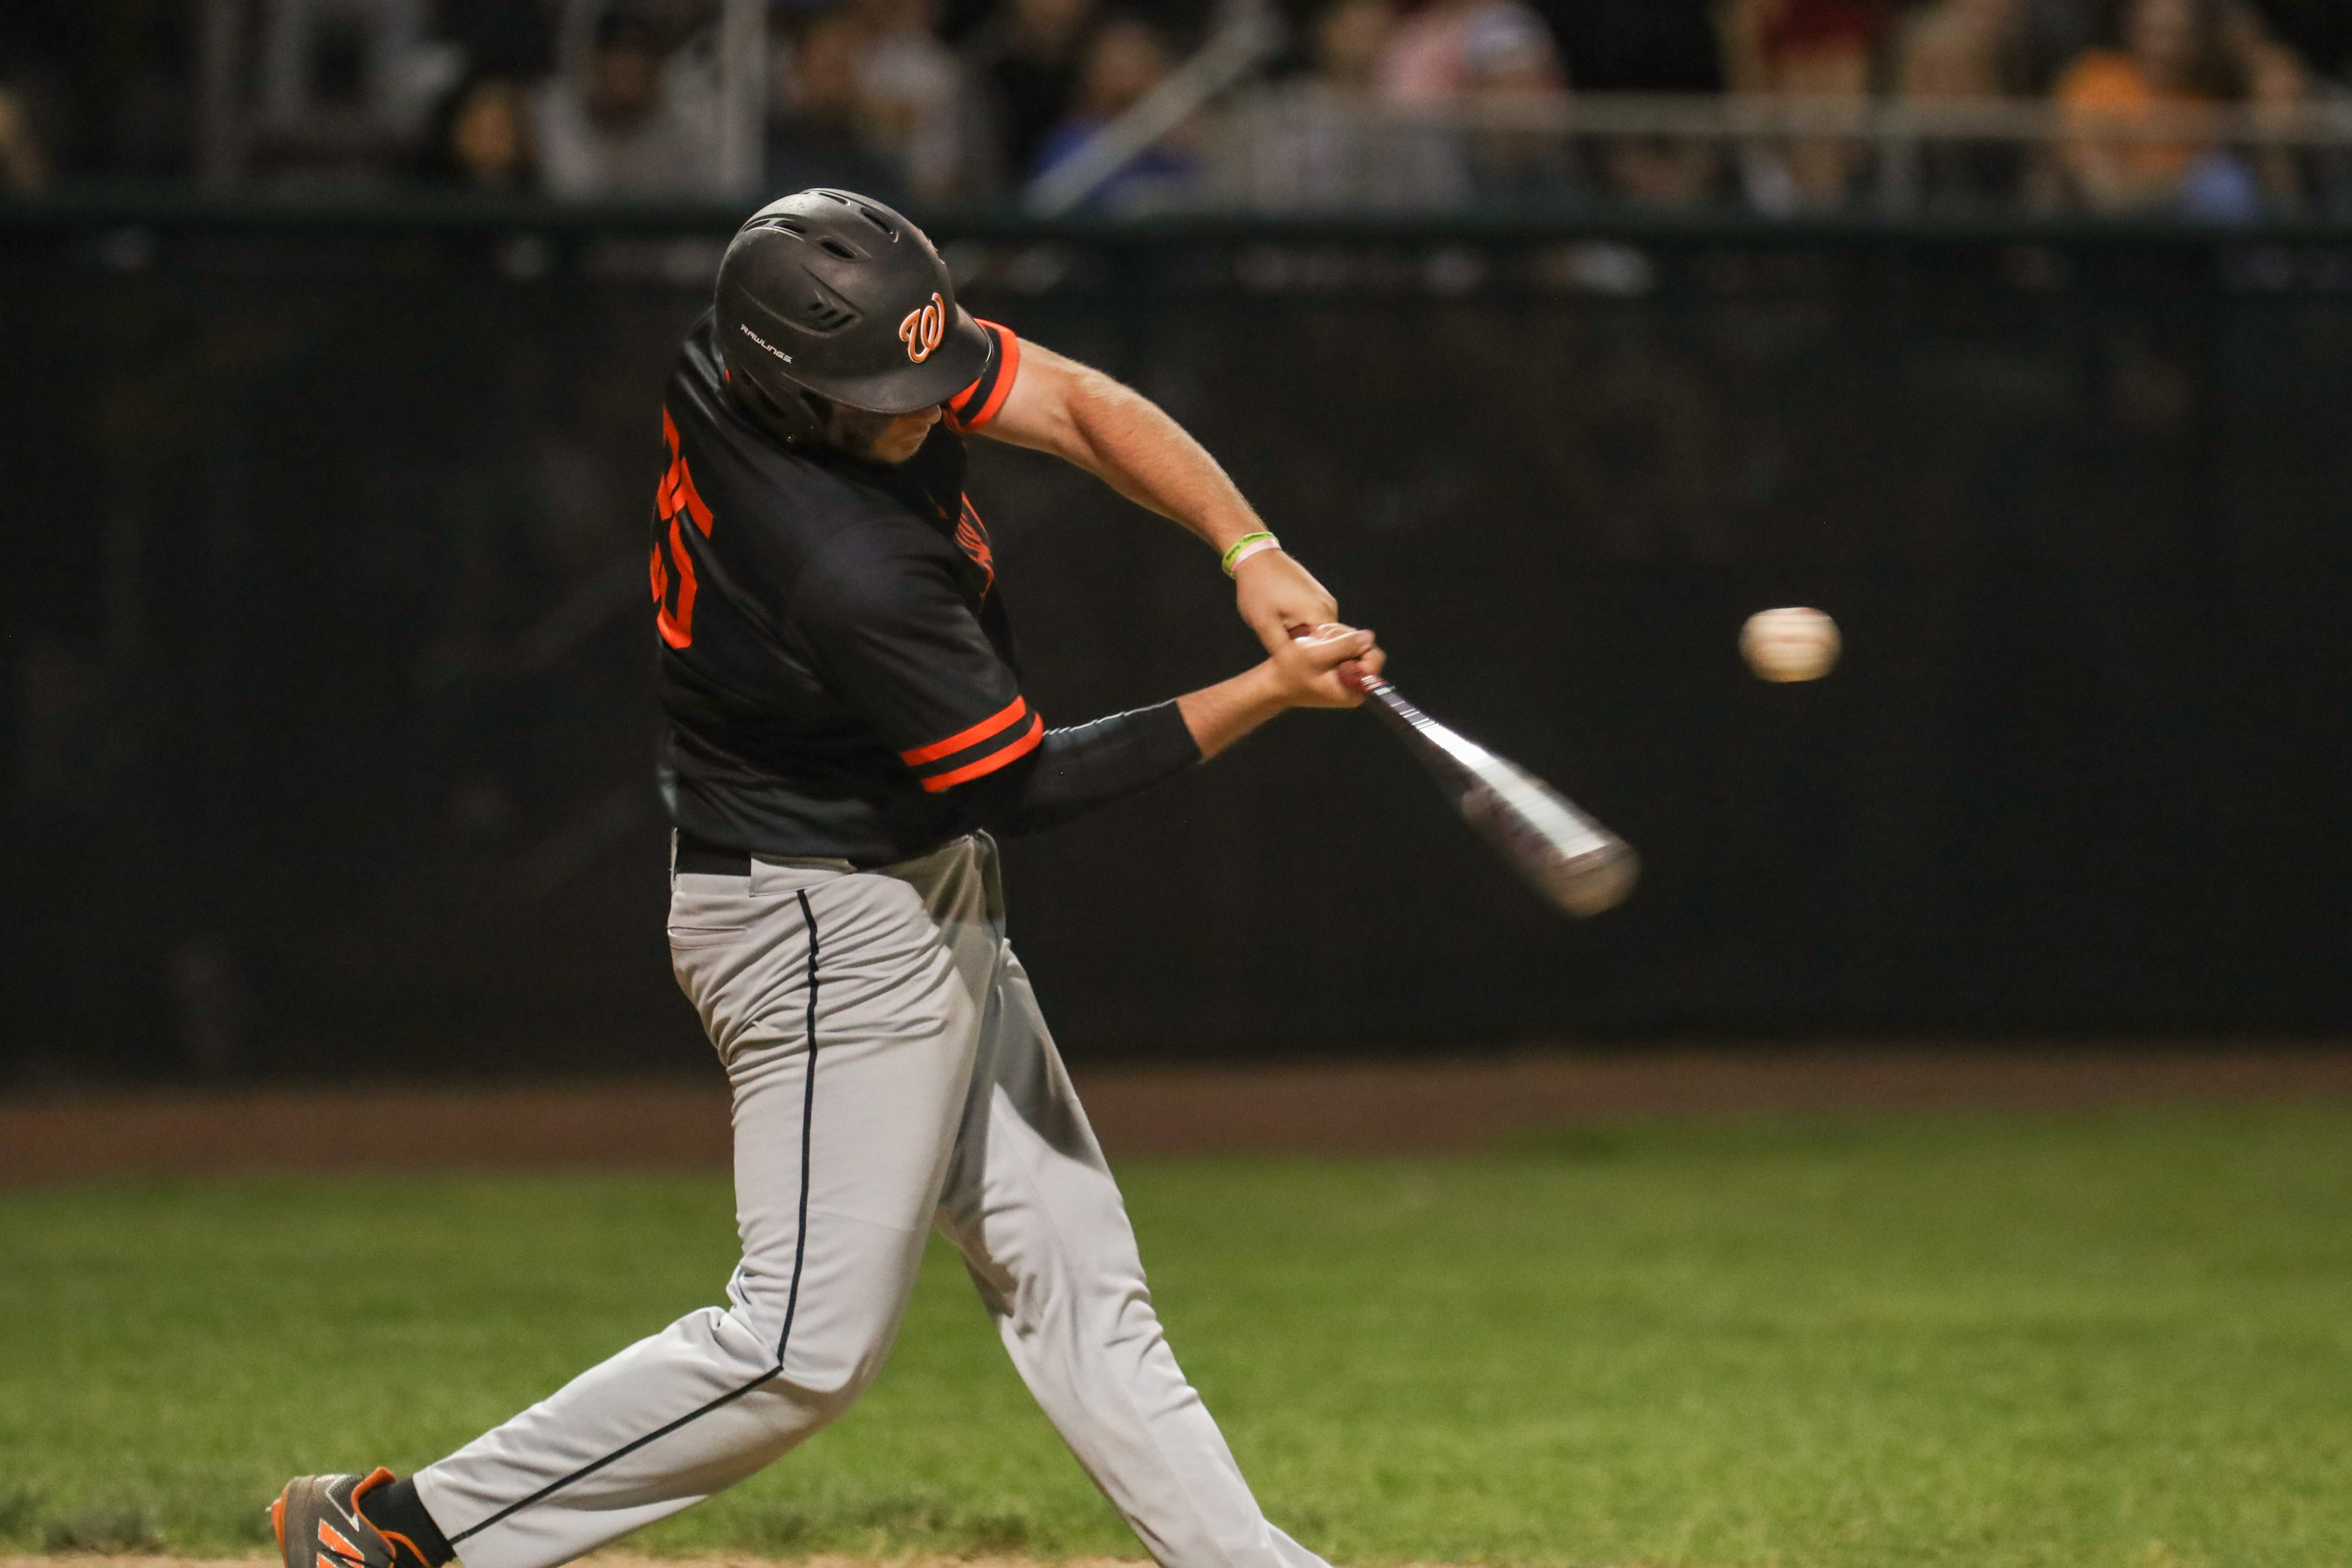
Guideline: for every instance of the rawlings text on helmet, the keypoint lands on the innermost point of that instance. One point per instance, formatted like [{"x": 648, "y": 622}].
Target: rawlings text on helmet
[
  {"x": 763, "y": 342},
  {"x": 922, "y": 330}
]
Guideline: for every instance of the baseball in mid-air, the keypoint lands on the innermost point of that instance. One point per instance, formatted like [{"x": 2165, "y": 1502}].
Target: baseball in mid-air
[{"x": 1794, "y": 644}]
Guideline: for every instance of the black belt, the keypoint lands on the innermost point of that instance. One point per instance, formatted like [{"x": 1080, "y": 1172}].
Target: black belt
[{"x": 701, "y": 859}]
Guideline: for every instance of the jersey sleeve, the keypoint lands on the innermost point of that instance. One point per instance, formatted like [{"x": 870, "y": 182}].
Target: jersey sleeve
[
  {"x": 976, "y": 404},
  {"x": 889, "y": 633}
]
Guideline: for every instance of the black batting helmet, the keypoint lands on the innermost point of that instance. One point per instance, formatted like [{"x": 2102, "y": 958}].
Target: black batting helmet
[{"x": 833, "y": 293}]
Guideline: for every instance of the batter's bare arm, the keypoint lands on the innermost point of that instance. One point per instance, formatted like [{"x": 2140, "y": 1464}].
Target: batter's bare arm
[{"x": 1123, "y": 439}]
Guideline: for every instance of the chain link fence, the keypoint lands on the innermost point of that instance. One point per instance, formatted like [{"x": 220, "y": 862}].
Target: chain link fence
[{"x": 329, "y": 725}]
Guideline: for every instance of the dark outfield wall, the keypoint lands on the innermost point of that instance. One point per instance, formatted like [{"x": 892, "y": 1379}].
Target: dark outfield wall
[{"x": 327, "y": 641}]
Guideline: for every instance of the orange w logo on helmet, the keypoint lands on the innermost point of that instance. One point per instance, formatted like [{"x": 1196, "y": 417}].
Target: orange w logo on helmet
[{"x": 922, "y": 330}]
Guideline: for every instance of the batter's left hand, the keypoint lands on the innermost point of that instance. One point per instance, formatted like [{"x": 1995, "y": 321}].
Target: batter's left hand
[
  {"x": 1276, "y": 594},
  {"x": 1325, "y": 666}
]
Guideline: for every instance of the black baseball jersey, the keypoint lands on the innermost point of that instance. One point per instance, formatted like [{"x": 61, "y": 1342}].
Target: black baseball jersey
[{"x": 835, "y": 652}]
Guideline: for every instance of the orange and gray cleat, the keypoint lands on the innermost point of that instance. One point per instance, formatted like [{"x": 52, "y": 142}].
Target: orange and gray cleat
[{"x": 319, "y": 1525}]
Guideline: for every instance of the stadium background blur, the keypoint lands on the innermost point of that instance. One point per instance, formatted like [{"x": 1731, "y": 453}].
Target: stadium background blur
[
  {"x": 1940, "y": 1159},
  {"x": 1557, "y": 338}
]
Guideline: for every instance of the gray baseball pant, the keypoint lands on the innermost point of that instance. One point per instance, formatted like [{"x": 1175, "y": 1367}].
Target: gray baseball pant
[{"x": 890, "y": 1071}]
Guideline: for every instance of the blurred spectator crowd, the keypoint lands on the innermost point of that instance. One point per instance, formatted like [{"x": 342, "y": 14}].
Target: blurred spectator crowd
[{"x": 1395, "y": 104}]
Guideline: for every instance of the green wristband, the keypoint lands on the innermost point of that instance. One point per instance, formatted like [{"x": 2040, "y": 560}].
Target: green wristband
[{"x": 1234, "y": 551}]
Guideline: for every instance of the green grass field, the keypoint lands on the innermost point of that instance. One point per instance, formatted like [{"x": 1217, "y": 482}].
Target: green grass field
[{"x": 2123, "y": 1339}]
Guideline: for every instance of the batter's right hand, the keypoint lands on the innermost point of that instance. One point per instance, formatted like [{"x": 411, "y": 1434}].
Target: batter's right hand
[
  {"x": 1279, "y": 599},
  {"x": 1308, "y": 667}
]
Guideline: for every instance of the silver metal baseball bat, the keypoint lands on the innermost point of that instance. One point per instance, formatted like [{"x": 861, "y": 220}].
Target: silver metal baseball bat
[{"x": 1567, "y": 857}]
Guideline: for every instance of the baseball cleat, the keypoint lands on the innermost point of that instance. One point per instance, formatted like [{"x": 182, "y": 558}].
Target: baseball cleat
[{"x": 318, "y": 1525}]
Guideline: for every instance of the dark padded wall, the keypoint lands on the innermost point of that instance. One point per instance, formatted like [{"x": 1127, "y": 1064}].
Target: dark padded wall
[{"x": 329, "y": 727}]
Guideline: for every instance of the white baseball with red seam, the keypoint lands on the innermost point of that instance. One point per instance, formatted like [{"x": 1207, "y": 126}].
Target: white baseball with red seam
[{"x": 1793, "y": 644}]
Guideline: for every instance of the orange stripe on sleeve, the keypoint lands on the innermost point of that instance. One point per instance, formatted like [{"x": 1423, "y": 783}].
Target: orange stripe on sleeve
[
  {"x": 964, "y": 402},
  {"x": 1009, "y": 346},
  {"x": 994, "y": 760},
  {"x": 1004, "y": 719}
]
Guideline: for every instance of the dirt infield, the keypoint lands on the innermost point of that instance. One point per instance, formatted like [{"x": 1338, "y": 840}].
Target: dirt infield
[{"x": 1453, "y": 1103}]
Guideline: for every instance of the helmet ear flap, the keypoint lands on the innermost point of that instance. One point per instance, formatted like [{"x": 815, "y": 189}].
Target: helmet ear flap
[{"x": 792, "y": 416}]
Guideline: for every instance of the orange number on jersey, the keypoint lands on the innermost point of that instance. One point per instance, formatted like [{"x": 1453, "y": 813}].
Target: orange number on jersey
[{"x": 677, "y": 497}]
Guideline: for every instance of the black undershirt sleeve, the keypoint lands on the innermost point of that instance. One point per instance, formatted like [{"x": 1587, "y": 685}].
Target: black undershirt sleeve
[{"x": 1080, "y": 770}]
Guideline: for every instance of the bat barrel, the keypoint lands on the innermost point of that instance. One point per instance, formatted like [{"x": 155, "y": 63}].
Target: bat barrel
[{"x": 1570, "y": 860}]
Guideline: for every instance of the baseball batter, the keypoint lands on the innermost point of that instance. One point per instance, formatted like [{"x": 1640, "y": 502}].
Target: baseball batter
[{"x": 846, "y": 728}]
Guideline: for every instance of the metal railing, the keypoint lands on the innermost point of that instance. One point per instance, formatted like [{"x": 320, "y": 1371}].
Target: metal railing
[{"x": 1300, "y": 147}]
